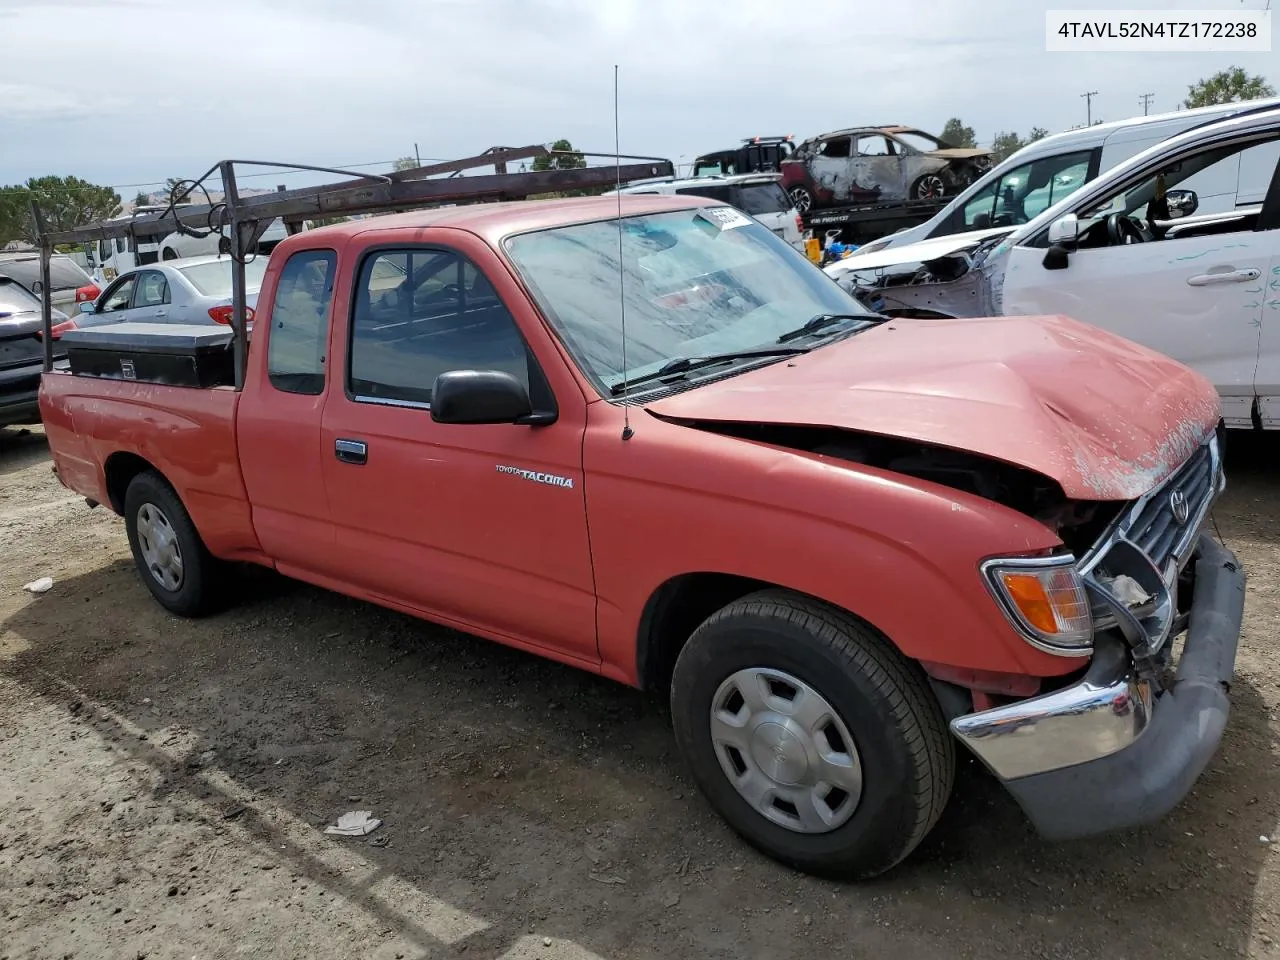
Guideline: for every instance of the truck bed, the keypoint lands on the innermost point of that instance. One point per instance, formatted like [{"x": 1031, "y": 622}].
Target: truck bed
[{"x": 102, "y": 432}]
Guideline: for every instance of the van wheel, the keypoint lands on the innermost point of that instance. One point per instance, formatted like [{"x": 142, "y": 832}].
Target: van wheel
[
  {"x": 172, "y": 559},
  {"x": 169, "y": 254},
  {"x": 811, "y": 735}
]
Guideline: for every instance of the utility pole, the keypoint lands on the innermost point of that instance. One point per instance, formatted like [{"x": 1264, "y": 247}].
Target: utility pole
[
  {"x": 416, "y": 155},
  {"x": 1088, "y": 101},
  {"x": 1146, "y": 99}
]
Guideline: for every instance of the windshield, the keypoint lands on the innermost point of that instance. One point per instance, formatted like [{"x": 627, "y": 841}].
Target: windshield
[
  {"x": 757, "y": 198},
  {"x": 64, "y": 273},
  {"x": 213, "y": 277},
  {"x": 696, "y": 282},
  {"x": 14, "y": 299}
]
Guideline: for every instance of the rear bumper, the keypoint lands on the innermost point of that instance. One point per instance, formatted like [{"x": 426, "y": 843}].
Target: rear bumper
[
  {"x": 19, "y": 395},
  {"x": 1108, "y": 752}
]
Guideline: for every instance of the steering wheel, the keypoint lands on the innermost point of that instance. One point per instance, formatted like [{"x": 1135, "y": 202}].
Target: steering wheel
[{"x": 1123, "y": 230}]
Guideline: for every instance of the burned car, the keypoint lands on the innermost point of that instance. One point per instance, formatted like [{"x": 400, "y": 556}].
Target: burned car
[{"x": 873, "y": 164}]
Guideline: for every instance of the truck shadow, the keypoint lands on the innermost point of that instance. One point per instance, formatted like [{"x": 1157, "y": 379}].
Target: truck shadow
[
  {"x": 522, "y": 794},
  {"x": 21, "y": 447}
]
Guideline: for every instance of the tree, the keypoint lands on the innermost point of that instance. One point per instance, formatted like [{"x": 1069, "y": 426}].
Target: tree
[
  {"x": 1005, "y": 145},
  {"x": 65, "y": 202},
  {"x": 957, "y": 134},
  {"x": 142, "y": 199},
  {"x": 1227, "y": 86},
  {"x": 562, "y": 157},
  {"x": 404, "y": 163},
  {"x": 1037, "y": 133}
]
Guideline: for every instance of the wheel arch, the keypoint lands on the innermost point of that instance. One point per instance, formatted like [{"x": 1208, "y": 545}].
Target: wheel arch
[
  {"x": 679, "y": 606},
  {"x": 119, "y": 470}
]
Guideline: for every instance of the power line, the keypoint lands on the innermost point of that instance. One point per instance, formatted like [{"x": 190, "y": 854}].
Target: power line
[{"x": 1145, "y": 99}]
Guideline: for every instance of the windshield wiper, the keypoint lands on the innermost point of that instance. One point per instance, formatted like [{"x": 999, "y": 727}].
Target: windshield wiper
[
  {"x": 821, "y": 321},
  {"x": 681, "y": 365}
]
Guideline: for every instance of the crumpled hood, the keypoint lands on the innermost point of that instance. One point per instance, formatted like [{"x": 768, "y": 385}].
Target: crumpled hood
[{"x": 1104, "y": 417}]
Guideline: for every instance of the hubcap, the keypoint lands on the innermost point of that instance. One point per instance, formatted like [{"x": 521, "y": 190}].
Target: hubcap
[
  {"x": 786, "y": 750},
  {"x": 800, "y": 197},
  {"x": 158, "y": 542},
  {"x": 930, "y": 188}
]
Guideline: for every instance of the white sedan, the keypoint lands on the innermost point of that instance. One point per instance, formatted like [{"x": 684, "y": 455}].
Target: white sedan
[{"x": 193, "y": 290}]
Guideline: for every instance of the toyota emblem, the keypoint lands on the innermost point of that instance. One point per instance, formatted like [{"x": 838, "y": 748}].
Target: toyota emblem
[{"x": 1178, "y": 504}]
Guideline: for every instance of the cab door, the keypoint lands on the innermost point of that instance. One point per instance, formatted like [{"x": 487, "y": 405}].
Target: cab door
[
  {"x": 278, "y": 419},
  {"x": 480, "y": 526}
]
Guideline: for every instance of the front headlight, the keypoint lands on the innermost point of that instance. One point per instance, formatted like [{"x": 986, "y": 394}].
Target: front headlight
[{"x": 1046, "y": 600}]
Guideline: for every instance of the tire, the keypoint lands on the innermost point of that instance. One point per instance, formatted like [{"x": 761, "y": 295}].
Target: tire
[
  {"x": 224, "y": 246},
  {"x": 199, "y": 588},
  {"x": 904, "y": 754},
  {"x": 931, "y": 186},
  {"x": 801, "y": 197}
]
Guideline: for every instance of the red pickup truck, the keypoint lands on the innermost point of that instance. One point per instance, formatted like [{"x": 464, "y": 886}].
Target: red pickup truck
[{"x": 654, "y": 442}]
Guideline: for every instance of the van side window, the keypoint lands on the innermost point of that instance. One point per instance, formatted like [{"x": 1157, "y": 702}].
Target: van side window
[
  {"x": 1026, "y": 191},
  {"x": 299, "y": 337},
  {"x": 421, "y": 312}
]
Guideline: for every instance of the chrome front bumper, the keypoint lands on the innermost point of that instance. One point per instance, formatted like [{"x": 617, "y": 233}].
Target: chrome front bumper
[{"x": 1110, "y": 751}]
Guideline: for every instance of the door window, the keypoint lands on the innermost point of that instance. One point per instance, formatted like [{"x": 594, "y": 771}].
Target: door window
[
  {"x": 299, "y": 337},
  {"x": 1025, "y": 191},
  {"x": 153, "y": 290},
  {"x": 839, "y": 147},
  {"x": 420, "y": 313},
  {"x": 118, "y": 297},
  {"x": 1141, "y": 210},
  {"x": 875, "y": 146}
]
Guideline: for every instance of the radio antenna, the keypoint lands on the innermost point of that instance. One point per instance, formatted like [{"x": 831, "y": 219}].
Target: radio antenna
[{"x": 627, "y": 432}]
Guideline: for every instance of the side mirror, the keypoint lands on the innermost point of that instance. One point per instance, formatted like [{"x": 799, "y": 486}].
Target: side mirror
[
  {"x": 86, "y": 307},
  {"x": 480, "y": 396},
  {"x": 1065, "y": 232},
  {"x": 1181, "y": 203}
]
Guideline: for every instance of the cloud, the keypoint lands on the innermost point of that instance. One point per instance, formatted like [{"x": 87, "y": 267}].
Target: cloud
[{"x": 128, "y": 92}]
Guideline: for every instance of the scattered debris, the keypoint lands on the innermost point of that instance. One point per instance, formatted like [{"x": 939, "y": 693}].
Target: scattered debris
[
  {"x": 43, "y": 585},
  {"x": 1264, "y": 839},
  {"x": 357, "y": 823},
  {"x": 382, "y": 841},
  {"x": 1127, "y": 590},
  {"x": 671, "y": 899},
  {"x": 234, "y": 812},
  {"x": 611, "y": 878}
]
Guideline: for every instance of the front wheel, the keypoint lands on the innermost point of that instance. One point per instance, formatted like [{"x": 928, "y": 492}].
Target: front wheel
[
  {"x": 801, "y": 198},
  {"x": 172, "y": 559},
  {"x": 811, "y": 735}
]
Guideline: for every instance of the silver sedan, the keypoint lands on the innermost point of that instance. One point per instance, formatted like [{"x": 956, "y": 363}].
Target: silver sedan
[{"x": 194, "y": 290}]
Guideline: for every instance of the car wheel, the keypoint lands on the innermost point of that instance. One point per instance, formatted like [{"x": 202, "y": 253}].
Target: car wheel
[
  {"x": 172, "y": 559},
  {"x": 811, "y": 735},
  {"x": 801, "y": 198},
  {"x": 929, "y": 187}
]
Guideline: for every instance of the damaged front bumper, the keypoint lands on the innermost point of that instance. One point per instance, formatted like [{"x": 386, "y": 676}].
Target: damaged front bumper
[{"x": 1113, "y": 751}]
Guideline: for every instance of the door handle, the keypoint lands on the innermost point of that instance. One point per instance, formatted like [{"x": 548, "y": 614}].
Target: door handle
[
  {"x": 351, "y": 451},
  {"x": 162, "y": 313},
  {"x": 1226, "y": 276}
]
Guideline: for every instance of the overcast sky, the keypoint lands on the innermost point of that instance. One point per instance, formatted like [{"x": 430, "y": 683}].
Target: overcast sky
[{"x": 128, "y": 91}]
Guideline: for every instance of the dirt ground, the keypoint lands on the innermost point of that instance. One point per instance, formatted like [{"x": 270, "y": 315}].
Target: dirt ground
[{"x": 164, "y": 786}]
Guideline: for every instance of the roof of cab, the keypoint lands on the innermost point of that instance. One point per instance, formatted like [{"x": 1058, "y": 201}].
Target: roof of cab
[{"x": 496, "y": 221}]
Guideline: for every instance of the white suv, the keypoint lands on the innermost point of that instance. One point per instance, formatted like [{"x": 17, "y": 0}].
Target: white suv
[{"x": 758, "y": 194}]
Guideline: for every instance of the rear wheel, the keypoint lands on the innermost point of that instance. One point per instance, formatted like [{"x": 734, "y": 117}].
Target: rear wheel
[
  {"x": 929, "y": 187},
  {"x": 811, "y": 735},
  {"x": 801, "y": 197},
  {"x": 169, "y": 254},
  {"x": 172, "y": 559}
]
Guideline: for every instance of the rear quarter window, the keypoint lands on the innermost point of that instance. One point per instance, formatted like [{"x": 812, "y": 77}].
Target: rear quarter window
[
  {"x": 299, "y": 337},
  {"x": 757, "y": 198}
]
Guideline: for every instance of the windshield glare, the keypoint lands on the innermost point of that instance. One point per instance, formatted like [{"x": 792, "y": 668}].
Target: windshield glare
[
  {"x": 213, "y": 278},
  {"x": 692, "y": 288}
]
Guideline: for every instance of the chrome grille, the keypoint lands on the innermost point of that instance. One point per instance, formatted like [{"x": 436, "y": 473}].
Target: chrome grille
[
  {"x": 1156, "y": 527},
  {"x": 1151, "y": 542}
]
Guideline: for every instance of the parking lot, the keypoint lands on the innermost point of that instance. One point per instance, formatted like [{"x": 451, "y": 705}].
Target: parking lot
[{"x": 167, "y": 784}]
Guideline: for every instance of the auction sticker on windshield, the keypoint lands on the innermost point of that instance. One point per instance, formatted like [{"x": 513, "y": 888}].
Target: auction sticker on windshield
[{"x": 726, "y": 218}]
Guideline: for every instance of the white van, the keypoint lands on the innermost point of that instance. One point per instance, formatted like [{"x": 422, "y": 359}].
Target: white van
[
  {"x": 758, "y": 194},
  {"x": 1049, "y": 170}
]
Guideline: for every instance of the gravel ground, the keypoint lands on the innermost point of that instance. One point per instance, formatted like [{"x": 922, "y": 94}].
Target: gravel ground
[{"x": 166, "y": 784}]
